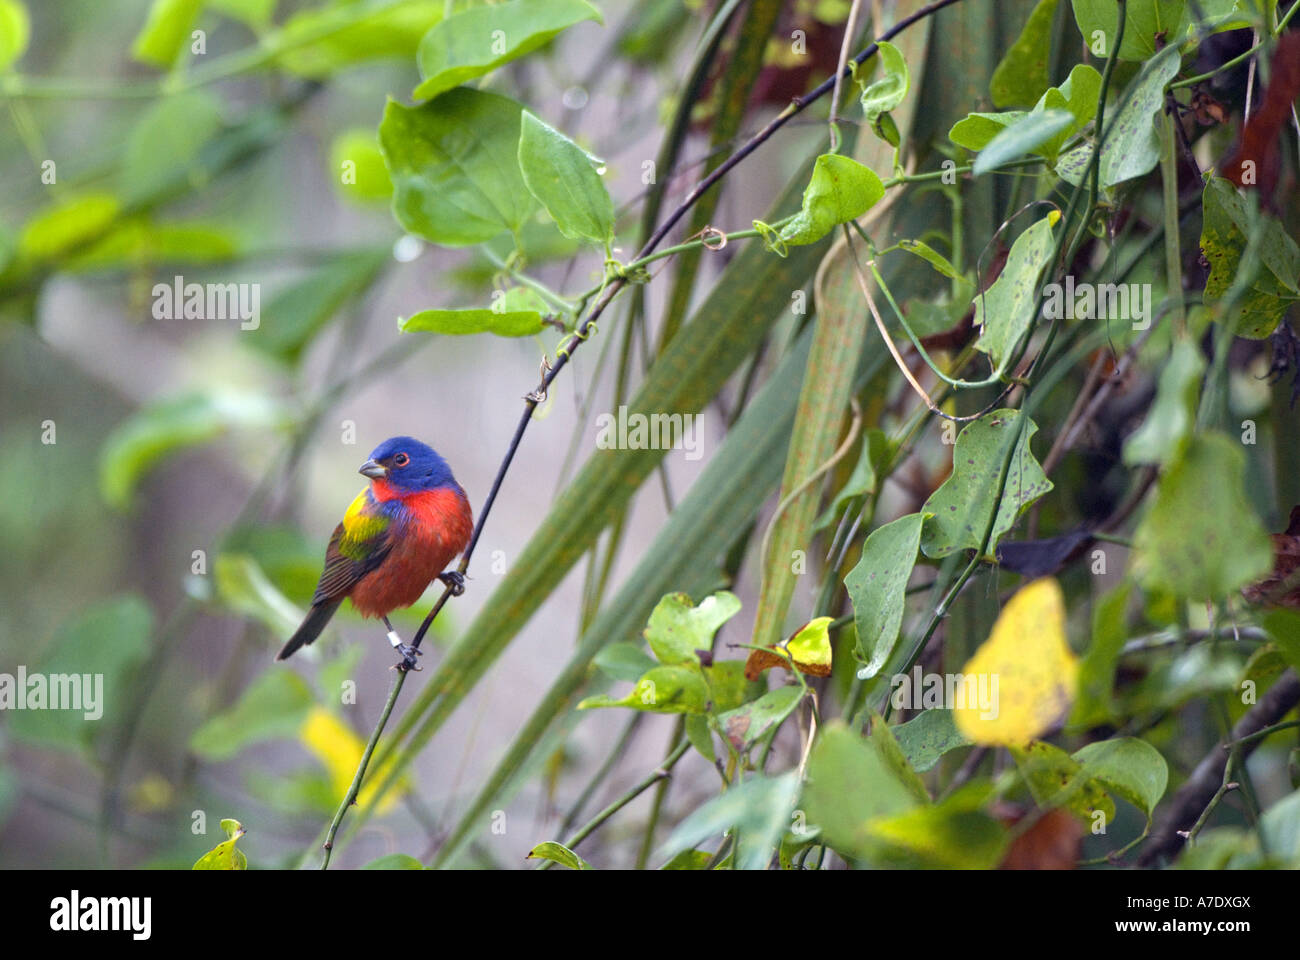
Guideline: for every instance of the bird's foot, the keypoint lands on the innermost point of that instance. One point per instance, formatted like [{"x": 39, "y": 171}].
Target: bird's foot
[
  {"x": 408, "y": 661},
  {"x": 454, "y": 580},
  {"x": 408, "y": 652}
]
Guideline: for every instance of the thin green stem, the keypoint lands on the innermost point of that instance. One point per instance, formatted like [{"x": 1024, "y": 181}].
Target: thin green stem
[
  {"x": 350, "y": 797},
  {"x": 659, "y": 773}
]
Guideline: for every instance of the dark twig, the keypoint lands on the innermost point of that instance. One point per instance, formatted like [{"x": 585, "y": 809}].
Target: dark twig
[{"x": 1207, "y": 779}]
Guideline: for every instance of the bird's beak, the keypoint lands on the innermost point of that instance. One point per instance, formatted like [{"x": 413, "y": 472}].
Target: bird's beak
[{"x": 373, "y": 469}]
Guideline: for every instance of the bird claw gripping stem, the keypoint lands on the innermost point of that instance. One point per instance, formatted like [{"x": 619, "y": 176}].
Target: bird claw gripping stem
[
  {"x": 454, "y": 579},
  {"x": 408, "y": 652}
]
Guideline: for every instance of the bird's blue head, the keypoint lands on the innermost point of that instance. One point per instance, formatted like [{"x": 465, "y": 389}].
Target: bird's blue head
[{"x": 406, "y": 465}]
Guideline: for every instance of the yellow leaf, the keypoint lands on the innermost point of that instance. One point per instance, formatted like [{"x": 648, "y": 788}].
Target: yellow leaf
[
  {"x": 1021, "y": 680},
  {"x": 339, "y": 749},
  {"x": 809, "y": 648}
]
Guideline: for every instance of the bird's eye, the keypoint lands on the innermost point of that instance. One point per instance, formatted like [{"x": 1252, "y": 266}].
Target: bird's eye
[{"x": 401, "y": 460}]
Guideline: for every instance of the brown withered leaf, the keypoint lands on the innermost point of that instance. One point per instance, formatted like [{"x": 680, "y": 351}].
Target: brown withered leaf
[
  {"x": 1052, "y": 843},
  {"x": 1208, "y": 110},
  {"x": 760, "y": 660},
  {"x": 1256, "y": 161},
  {"x": 1282, "y": 586}
]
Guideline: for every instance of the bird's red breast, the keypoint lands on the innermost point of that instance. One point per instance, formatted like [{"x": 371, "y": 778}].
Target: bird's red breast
[{"x": 431, "y": 528}]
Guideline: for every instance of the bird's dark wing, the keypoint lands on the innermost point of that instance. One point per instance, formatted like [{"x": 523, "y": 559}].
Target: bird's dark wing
[{"x": 359, "y": 544}]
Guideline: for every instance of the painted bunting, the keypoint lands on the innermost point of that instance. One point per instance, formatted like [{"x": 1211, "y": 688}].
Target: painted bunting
[{"x": 395, "y": 539}]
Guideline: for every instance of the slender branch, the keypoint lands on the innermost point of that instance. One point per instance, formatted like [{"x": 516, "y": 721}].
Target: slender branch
[
  {"x": 351, "y": 796},
  {"x": 661, "y": 772},
  {"x": 1201, "y": 788}
]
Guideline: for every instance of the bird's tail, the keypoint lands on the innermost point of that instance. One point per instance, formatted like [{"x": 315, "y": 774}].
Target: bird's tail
[{"x": 311, "y": 627}]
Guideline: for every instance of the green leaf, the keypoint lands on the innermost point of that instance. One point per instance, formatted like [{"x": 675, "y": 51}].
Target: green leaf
[
  {"x": 1225, "y": 226},
  {"x": 961, "y": 508},
  {"x": 357, "y": 164},
  {"x": 1201, "y": 538},
  {"x": 15, "y": 31},
  {"x": 882, "y": 738},
  {"x": 1132, "y": 140},
  {"x": 927, "y": 737},
  {"x": 453, "y": 164},
  {"x": 245, "y": 589},
  {"x": 1005, "y": 311},
  {"x": 300, "y": 311},
  {"x": 747, "y": 723},
  {"x": 1055, "y": 779},
  {"x": 1133, "y": 146},
  {"x": 1147, "y": 25},
  {"x": 932, "y": 257},
  {"x": 1279, "y": 832},
  {"x": 1078, "y": 94},
  {"x": 394, "y": 861},
  {"x": 951, "y": 835},
  {"x": 701, "y": 737},
  {"x": 728, "y": 687},
  {"x": 1214, "y": 16},
  {"x": 225, "y": 855},
  {"x": 476, "y": 41},
  {"x": 460, "y": 322},
  {"x": 849, "y": 783},
  {"x": 1021, "y": 76},
  {"x": 1284, "y": 627},
  {"x": 759, "y": 809},
  {"x": 165, "y": 32},
  {"x": 558, "y": 853},
  {"x": 1132, "y": 768},
  {"x": 317, "y": 42},
  {"x": 1172, "y": 416},
  {"x": 1004, "y": 137},
  {"x": 563, "y": 177},
  {"x": 162, "y": 151},
  {"x": 841, "y": 189},
  {"x": 672, "y": 689},
  {"x": 677, "y": 628},
  {"x": 887, "y": 91},
  {"x": 67, "y": 224},
  {"x": 147, "y": 437},
  {"x": 109, "y": 640},
  {"x": 976, "y": 131},
  {"x": 273, "y": 707},
  {"x": 1093, "y": 700},
  {"x": 877, "y": 586},
  {"x": 624, "y": 661},
  {"x": 1026, "y": 135}
]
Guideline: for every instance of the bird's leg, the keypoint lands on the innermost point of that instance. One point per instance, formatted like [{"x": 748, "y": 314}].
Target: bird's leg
[
  {"x": 454, "y": 580},
  {"x": 408, "y": 652}
]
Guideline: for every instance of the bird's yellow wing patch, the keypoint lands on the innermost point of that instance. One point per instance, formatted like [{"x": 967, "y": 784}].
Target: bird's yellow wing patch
[{"x": 360, "y": 527}]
